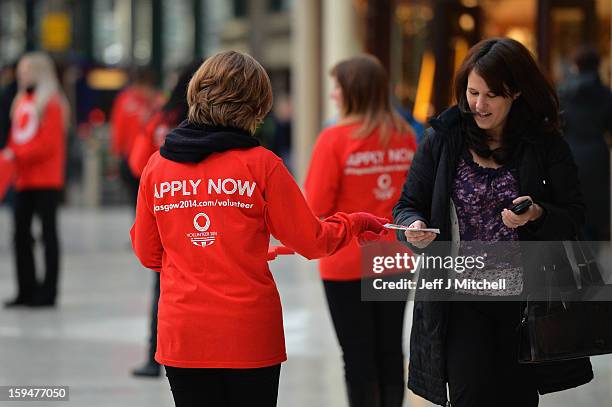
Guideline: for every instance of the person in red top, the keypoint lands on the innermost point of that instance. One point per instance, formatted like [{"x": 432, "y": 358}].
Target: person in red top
[
  {"x": 131, "y": 110},
  {"x": 146, "y": 143},
  {"x": 37, "y": 144},
  {"x": 360, "y": 164},
  {"x": 153, "y": 134},
  {"x": 207, "y": 205}
]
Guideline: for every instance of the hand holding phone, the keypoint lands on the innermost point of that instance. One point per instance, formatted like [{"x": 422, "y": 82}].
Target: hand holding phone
[
  {"x": 523, "y": 210},
  {"x": 521, "y": 207}
]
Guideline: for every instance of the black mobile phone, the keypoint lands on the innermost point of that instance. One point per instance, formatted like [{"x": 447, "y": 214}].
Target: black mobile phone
[{"x": 521, "y": 207}]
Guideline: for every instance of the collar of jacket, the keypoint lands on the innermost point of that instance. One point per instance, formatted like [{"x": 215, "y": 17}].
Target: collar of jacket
[
  {"x": 446, "y": 120},
  {"x": 193, "y": 143}
]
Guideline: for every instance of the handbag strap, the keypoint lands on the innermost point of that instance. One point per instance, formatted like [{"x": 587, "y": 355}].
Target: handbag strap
[{"x": 574, "y": 261}]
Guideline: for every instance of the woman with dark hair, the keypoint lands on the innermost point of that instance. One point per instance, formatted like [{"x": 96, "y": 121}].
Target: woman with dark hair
[
  {"x": 145, "y": 144},
  {"x": 499, "y": 146},
  {"x": 359, "y": 164}
]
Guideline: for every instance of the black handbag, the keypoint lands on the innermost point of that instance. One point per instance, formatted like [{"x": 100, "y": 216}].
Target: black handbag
[{"x": 577, "y": 323}]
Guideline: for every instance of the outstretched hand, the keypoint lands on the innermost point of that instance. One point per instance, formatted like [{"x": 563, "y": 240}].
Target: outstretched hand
[
  {"x": 368, "y": 227},
  {"x": 368, "y": 237},
  {"x": 274, "y": 251}
]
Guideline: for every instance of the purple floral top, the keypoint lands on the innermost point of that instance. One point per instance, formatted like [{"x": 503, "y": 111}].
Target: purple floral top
[{"x": 480, "y": 194}]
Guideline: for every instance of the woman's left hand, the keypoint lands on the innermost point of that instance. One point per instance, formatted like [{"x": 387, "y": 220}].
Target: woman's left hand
[{"x": 513, "y": 220}]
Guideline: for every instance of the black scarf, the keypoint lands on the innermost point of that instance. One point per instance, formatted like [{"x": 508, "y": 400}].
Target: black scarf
[{"x": 192, "y": 143}]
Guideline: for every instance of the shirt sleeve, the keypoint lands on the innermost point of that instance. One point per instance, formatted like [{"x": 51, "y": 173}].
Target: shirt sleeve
[
  {"x": 323, "y": 178},
  {"x": 143, "y": 148},
  {"x": 117, "y": 125},
  {"x": 146, "y": 241},
  {"x": 51, "y": 131},
  {"x": 291, "y": 220},
  {"x": 564, "y": 213}
]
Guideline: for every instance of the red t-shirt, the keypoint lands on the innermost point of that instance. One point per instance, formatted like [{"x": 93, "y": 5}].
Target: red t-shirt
[
  {"x": 148, "y": 140},
  {"x": 352, "y": 174},
  {"x": 39, "y": 144},
  {"x": 207, "y": 227},
  {"x": 131, "y": 110}
]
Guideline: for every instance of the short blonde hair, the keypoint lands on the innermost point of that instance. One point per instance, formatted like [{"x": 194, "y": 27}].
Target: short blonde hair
[{"x": 230, "y": 89}]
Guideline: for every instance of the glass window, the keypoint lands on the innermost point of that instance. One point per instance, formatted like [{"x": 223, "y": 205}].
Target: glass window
[
  {"x": 277, "y": 6},
  {"x": 214, "y": 15},
  {"x": 12, "y": 30},
  {"x": 54, "y": 25},
  {"x": 412, "y": 66},
  {"x": 240, "y": 8},
  {"x": 604, "y": 36},
  {"x": 112, "y": 31},
  {"x": 143, "y": 31},
  {"x": 178, "y": 37}
]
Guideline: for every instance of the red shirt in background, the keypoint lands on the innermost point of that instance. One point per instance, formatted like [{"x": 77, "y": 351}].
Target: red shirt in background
[
  {"x": 148, "y": 141},
  {"x": 207, "y": 227},
  {"x": 39, "y": 144},
  {"x": 151, "y": 138},
  {"x": 352, "y": 174},
  {"x": 131, "y": 110}
]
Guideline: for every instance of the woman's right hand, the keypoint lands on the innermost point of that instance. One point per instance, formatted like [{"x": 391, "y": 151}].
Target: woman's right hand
[
  {"x": 419, "y": 239},
  {"x": 362, "y": 222}
]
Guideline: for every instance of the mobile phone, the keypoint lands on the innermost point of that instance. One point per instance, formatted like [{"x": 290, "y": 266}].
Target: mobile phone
[
  {"x": 521, "y": 207},
  {"x": 402, "y": 227}
]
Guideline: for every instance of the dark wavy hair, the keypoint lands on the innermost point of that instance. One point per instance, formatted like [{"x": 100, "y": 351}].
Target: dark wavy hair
[{"x": 508, "y": 68}]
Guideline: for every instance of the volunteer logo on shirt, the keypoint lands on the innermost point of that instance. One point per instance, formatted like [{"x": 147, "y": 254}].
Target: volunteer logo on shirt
[
  {"x": 203, "y": 237},
  {"x": 25, "y": 123},
  {"x": 384, "y": 190}
]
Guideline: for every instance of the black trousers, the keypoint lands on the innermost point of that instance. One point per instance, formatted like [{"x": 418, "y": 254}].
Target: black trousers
[
  {"x": 130, "y": 182},
  {"x": 370, "y": 335},
  {"x": 482, "y": 349},
  {"x": 43, "y": 203},
  {"x": 153, "y": 321},
  {"x": 224, "y": 387}
]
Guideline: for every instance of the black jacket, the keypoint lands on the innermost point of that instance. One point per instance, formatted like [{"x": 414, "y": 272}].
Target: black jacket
[{"x": 547, "y": 173}]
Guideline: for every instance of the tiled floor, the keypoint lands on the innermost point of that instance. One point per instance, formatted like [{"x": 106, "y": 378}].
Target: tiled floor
[{"x": 98, "y": 333}]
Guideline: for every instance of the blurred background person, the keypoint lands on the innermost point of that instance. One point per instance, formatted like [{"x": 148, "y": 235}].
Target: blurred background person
[
  {"x": 131, "y": 110},
  {"x": 282, "y": 113},
  {"x": 360, "y": 164},
  {"x": 37, "y": 143},
  {"x": 146, "y": 143},
  {"x": 586, "y": 107}
]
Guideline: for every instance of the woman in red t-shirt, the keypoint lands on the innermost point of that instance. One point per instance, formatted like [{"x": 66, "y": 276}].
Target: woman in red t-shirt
[
  {"x": 360, "y": 164},
  {"x": 208, "y": 202},
  {"x": 37, "y": 144}
]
